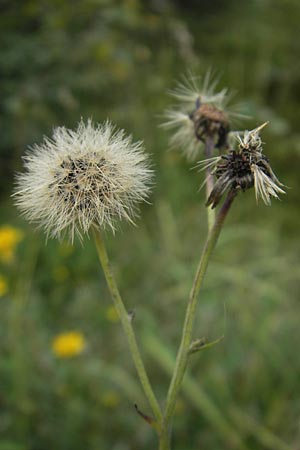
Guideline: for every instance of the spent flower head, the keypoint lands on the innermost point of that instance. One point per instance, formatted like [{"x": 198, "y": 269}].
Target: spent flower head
[
  {"x": 89, "y": 176},
  {"x": 201, "y": 111},
  {"x": 242, "y": 169}
]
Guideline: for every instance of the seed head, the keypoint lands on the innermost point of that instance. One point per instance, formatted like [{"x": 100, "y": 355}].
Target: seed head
[
  {"x": 90, "y": 176},
  {"x": 242, "y": 169},
  {"x": 201, "y": 112}
]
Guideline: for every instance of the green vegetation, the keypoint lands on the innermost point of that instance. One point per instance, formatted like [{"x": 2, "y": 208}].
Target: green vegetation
[{"x": 64, "y": 60}]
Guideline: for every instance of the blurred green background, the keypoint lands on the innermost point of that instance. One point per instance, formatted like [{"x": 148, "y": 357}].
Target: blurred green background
[{"x": 62, "y": 60}]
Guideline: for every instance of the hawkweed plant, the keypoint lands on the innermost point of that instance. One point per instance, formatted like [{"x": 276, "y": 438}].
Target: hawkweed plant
[{"x": 85, "y": 180}]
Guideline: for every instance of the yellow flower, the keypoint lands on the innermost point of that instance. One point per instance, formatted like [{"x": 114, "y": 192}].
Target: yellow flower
[
  {"x": 70, "y": 344},
  {"x": 111, "y": 314},
  {"x": 3, "y": 286},
  {"x": 9, "y": 238}
]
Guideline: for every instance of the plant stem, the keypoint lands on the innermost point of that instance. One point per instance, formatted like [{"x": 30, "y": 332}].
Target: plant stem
[
  {"x": 198, "y": 397},
  {"x": 164, "y": 439},
  {"x": 208, "y": 152},
  {"x": 127, "y": 325},
  {"x": 183, "y": 352}
]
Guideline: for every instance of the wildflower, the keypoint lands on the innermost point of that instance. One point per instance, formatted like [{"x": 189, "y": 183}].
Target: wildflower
[
  {"x": 3, "y": 286},
  {"x": 242, "y": 169},
  {"x": 201, "y": 112},
  {"x": 9, "y": 239},
  {"x": 90, "y": 176},
  {"x": 70, "y": 344}
]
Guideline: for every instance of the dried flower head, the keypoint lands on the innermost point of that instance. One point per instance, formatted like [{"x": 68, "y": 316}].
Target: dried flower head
[
  {"x": 90, "y": 176},
  {"x": 242, "y": 169},
  {"x": 201, "y": 112}
]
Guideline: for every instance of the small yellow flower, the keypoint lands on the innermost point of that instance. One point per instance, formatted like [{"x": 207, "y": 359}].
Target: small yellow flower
[
  {"x": 110, "y": 399},
  {"x": 9, "y": 239},
  {"x": 3, "y": 286},
  {"x": 111, "y": 314},
  {"x": 70, "y": 344}
]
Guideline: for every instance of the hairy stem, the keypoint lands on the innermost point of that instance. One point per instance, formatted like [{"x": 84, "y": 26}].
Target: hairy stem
[
  {"x": 183, "y": 352},
  {"x": 127, "y": 325},
  {"x": 208, "y": 152}
]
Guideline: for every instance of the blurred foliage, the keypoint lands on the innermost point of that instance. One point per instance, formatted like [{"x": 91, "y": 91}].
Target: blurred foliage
[{"x": 61, "y": 60}]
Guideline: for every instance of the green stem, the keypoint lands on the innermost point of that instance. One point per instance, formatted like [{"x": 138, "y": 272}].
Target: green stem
[
  {"x": 183, "y": 352},
  {"x": 208, "y": 152},
  {"x": 164, "y": 439},
  {"x": 198, "y": 397},
  {"x": 127, "y": 325}
]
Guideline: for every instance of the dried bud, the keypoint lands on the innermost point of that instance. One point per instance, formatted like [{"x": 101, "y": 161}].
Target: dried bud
[
  {"x": 242, "y": 169},
  {"x": 201, "y": 112}
]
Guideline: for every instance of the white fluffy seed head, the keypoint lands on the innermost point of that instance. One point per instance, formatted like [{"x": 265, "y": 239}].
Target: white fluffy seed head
[
  {"x": 187, "y": 94},
  {"x": 93, "y": 175}
]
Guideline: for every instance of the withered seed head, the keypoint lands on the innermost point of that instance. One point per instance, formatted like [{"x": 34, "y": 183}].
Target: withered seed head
[
  {"x": 201, "y": 111},
  {"x": 244, "y": 168},
  {"x": 210, "y": 121}
]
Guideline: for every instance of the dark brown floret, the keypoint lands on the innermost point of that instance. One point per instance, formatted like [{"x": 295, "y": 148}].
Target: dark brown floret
[
  {"x": 210, "y": 121},
  {"x": 233, "y": 171}
]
